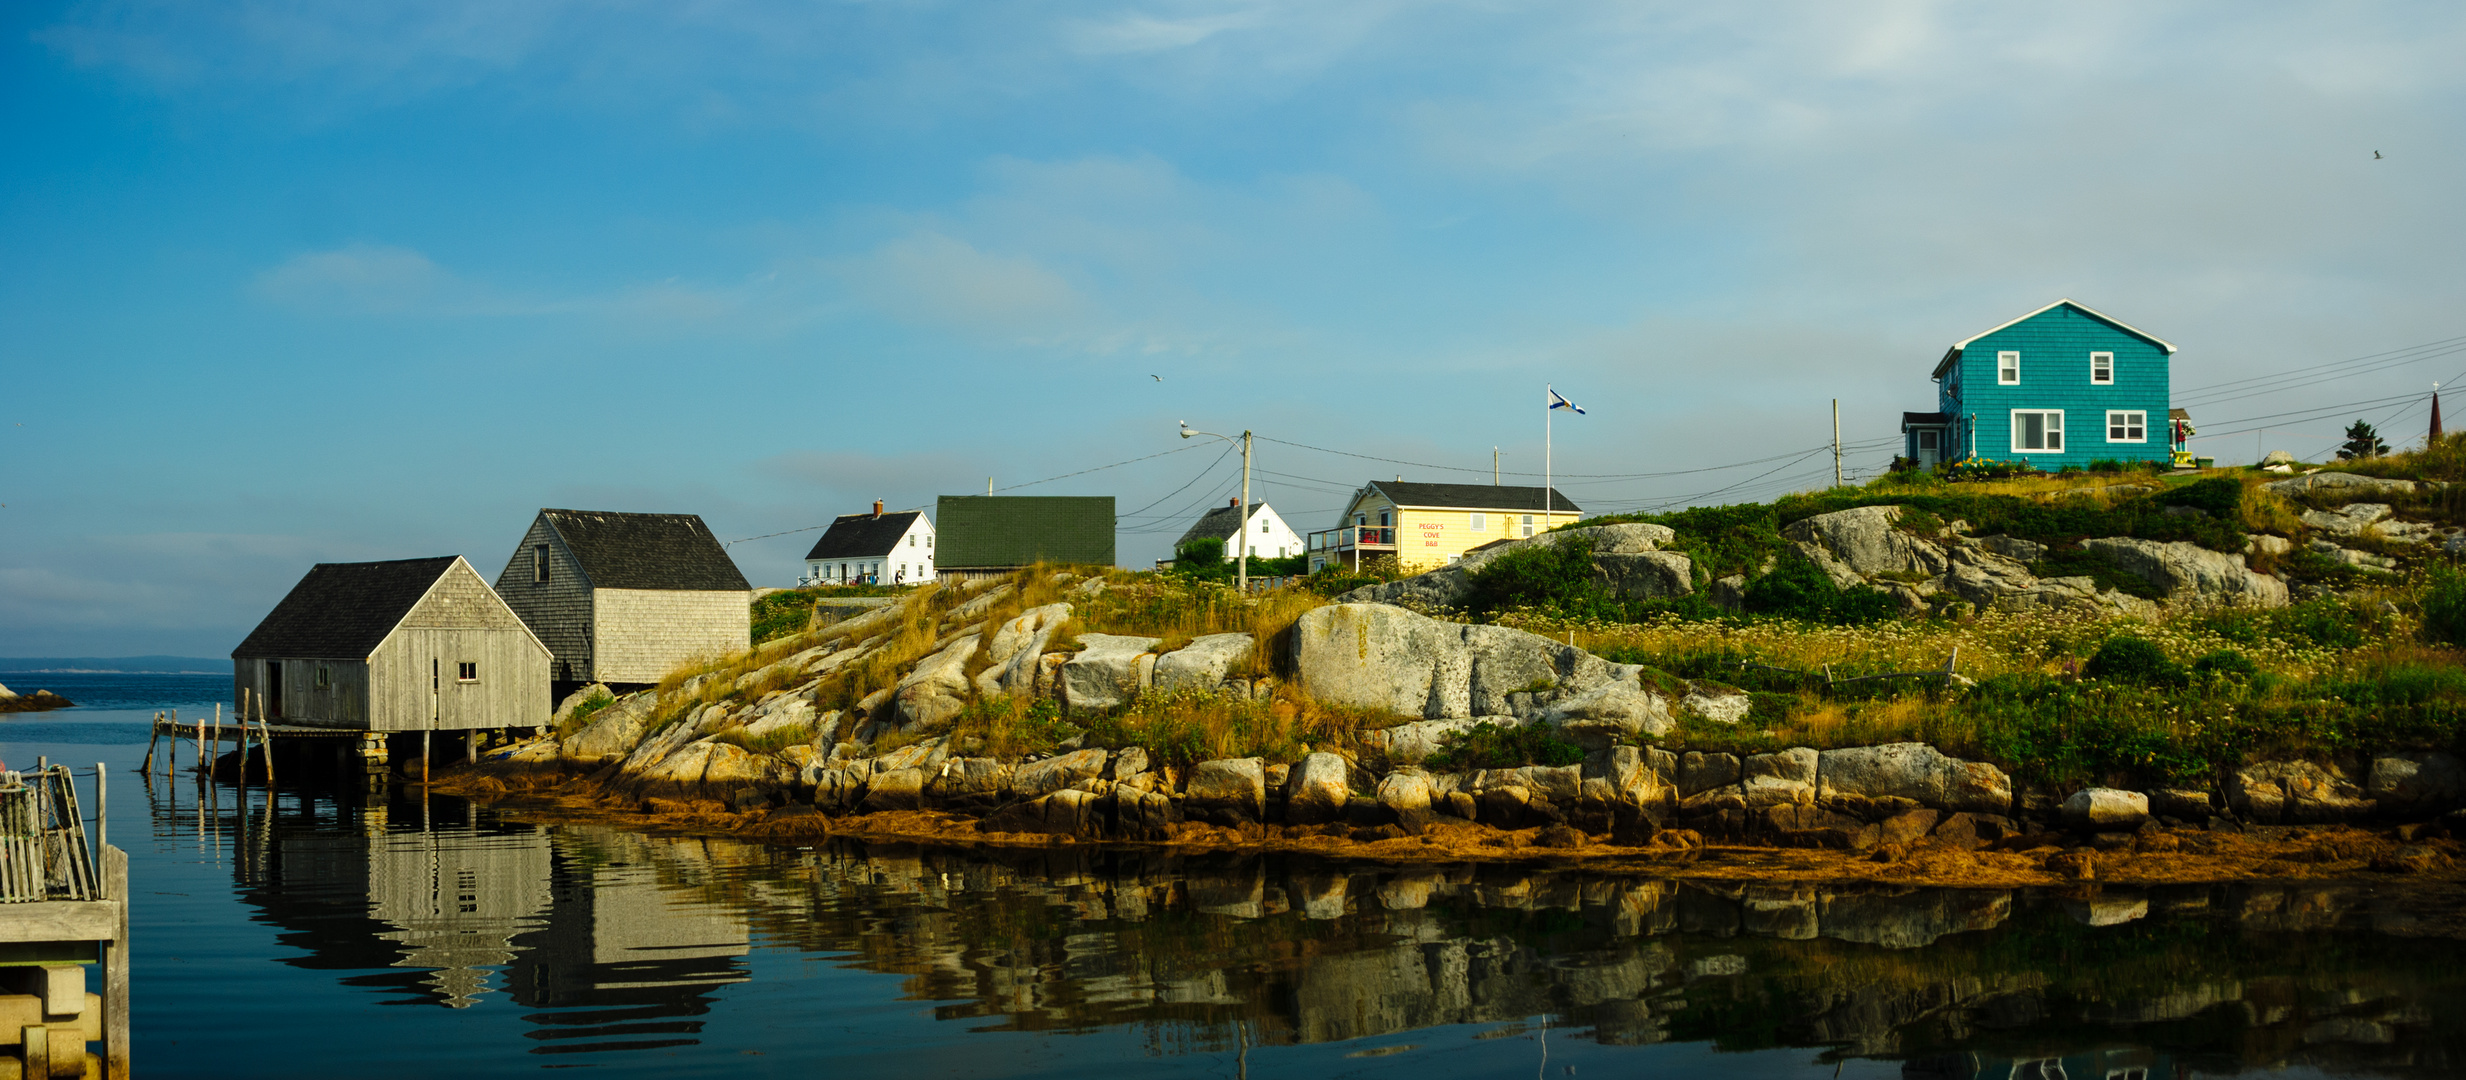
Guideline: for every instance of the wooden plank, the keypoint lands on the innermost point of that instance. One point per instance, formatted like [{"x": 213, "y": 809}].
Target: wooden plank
[
  {"x": 115, "y": 967},
  {"x": 61, "y": 920}
]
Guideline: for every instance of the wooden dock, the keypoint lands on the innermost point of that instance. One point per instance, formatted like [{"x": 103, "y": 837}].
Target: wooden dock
[{"x": 63, "y": 905}]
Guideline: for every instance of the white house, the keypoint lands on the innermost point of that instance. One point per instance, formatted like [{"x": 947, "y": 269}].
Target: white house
[
  {"x": 875, "y": 548},
  {"x": 1270, "y": 537}
]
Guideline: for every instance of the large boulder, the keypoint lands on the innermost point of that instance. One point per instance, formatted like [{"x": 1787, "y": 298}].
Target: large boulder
[
  {"x": 2423, "y": 782},
  {"x": 2101, "y": 808},
  {"x": 1016, "y": 647},
  {"x": 2188, "y": 571},
  {"x": 1052, "y": 774},
  {"x": 1646, "y": 575},
  {"x": 612, "y": 732},
  {"x": 1204, "y": 663},
  {"x": 1227, "y": 791},
  {"x": 1373, "y": 656},
  {"x": 1912, "y": 771},
  {"x": 1445, "y": 587},
  {"x": 733, "y": 769},
  {"x": 1413, "y": 743},
  {"x": 2338, "y": 485},
  {"x": 2295, "y": 793},
  {"x": 1317, "y": 790},
  {"x": 677, "y": 775},
  {"x": 1786, "y": 778},
  {"x": 1110, "y": 671},
  {"x": 1864, "y": 540},
  {"x": 1610, "y": 712},
  {"x": 2348, "y": 520},
  {"x": 1406, "y": 793},
  {"x": 1619, "y": 788},
  {"x": 938, "y": 689}
]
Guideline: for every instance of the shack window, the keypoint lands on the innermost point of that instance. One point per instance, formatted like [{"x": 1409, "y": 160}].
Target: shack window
[
  {"x": 539, "y": 563},
  {"x": 467, "y": 671},
  {"x": 2102, "y": 368},
  {"x": 1528, "y": 524},
  {"x": 324, "y": 678}
]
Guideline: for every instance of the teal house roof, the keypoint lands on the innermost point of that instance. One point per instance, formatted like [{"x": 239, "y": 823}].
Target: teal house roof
[{"x": 1953, "y": 354}]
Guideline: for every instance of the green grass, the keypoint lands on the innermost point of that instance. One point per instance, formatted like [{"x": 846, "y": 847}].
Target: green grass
[{"x": 1490, "y": 746}]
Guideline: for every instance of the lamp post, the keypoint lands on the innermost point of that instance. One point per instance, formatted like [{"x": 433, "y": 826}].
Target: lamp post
[{"x": 1241, "y": 528}]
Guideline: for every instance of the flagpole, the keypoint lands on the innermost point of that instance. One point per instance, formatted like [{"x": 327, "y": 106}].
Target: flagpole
[{"x": 1549, "y": 410}]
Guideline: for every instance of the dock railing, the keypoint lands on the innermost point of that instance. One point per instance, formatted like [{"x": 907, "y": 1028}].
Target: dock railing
[{"x": 44, "y": 850}]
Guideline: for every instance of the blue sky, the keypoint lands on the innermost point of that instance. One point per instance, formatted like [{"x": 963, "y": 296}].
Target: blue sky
[{"x": 289, "y": 282}]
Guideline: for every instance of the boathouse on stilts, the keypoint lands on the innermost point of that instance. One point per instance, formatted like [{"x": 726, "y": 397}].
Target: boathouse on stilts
[{"x": 418, "y": 657}]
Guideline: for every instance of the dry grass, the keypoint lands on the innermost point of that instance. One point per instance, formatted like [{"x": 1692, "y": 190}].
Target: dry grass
[{"x": 1186, "y": 726}]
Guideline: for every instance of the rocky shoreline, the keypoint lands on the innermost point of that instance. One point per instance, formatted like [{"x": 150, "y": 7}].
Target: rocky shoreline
[{"x": 38, "y": 701}]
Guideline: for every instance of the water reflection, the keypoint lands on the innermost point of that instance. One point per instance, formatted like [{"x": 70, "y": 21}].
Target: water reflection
[{"x": 611, "y": 942}]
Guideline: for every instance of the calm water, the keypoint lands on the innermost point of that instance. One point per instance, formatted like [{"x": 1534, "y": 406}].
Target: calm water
[{"x": 322, "y": 936}]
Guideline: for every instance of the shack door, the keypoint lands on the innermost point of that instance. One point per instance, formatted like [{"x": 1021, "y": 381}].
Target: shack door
[
  {"x": 1930, "y": 448},
  {"x": 273, "y": 689}
]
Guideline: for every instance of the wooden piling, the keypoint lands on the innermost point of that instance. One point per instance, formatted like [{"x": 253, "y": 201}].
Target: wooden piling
[
  {"x": 153, "y": 732},
  {"x": 265, "y": 738}
]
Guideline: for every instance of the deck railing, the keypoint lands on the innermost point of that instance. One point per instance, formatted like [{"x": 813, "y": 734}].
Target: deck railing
[{"x": 1353, "y": 536}]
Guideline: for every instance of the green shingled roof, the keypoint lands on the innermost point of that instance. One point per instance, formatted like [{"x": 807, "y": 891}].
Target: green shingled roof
[{"x": 1015, "y": 530}]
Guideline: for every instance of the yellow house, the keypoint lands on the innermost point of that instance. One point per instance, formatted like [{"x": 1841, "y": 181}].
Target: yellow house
[{"x": 1428, "y": 525}]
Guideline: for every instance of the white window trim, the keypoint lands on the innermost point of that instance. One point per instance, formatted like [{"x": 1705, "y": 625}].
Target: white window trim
[
  {"x": 2111, "y": 414},
  {"x": 2015, "y": 357},
  {"x": 2094, "y": 380},
  {"x": 1478, "y": 523},
  {"x": 2057, "y": 429}
]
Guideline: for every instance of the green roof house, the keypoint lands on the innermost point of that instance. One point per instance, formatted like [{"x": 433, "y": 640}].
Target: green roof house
[{"x": 991, "y": 535}]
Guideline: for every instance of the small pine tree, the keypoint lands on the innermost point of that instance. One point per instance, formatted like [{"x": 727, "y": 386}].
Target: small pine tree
[{"x": 2362, "y": 442}]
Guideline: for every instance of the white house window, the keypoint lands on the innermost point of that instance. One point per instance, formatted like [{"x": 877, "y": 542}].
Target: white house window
[
  {"x": 1262, "y": 525},
  {"x": 1479, "y": 523},
  {"x": 2037, "y": 431},
  {"x": 2008, "y": 368},
  {"x": 466, "y": 671},
  {"x": 2102, "y": 368},
  {"x": 1528, "y": 524},
  {"x": 928, "y": 540},
  {"x": 2127, "y": 425},
  {"x": 911, "y": 540}
]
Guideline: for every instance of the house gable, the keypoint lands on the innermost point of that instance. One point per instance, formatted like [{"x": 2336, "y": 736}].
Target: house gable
[{"x": 558, "y": 609}]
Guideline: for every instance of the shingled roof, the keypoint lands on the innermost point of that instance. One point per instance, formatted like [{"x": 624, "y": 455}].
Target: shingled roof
[
  {"x": 341, "y": 611},
  {"x": 1472, "y": 496},
  {"x": 646, "y": 551},
  {"x": 1219, "y": 524},
  {"x": 987, "y": 531},
  {"x": 863, "y": 536}
]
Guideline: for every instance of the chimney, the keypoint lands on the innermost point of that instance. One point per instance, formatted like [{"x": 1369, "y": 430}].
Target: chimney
[
  {"x": 1235, "y": 502},
  {"x": 877, "y": 508}
]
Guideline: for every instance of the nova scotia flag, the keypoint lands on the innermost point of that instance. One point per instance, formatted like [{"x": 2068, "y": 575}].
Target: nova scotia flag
[{"x": 1557, "y": 402}]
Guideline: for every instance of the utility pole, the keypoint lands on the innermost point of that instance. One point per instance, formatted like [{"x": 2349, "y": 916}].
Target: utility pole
[
  {"x": 1241, "y": 515},
  {"x": 1836, "y": 442},
  {"x": 1494, "y": 466}
]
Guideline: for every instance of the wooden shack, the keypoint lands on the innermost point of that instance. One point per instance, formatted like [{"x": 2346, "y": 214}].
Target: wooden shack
[
  {"x": 406, "y": 645},
  {"x": 624, "y": 599}
]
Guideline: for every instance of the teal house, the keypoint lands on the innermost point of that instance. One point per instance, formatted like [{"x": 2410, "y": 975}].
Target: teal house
[{"x": 2062, "y": 385}]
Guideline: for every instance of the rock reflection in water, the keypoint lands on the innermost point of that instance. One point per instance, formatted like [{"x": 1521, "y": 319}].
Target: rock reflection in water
[{"x": 617, "y": 941}]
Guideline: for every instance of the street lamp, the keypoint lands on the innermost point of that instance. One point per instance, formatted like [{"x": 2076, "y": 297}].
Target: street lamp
[{"x": 1241, "y": 567}]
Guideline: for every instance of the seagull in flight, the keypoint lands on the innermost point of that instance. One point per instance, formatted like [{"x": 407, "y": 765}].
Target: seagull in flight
[
  {"x": 1158, "y": 378},
  {"x": 2376, "y": 155}
]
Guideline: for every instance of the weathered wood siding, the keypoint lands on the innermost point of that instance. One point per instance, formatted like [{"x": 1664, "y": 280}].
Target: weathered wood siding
[
  {"x": 415, "y": 671},
  {"x": 642, "y": 634},
  {"x": 342, "y": 703},
  {"x": 558, "y": 609}
]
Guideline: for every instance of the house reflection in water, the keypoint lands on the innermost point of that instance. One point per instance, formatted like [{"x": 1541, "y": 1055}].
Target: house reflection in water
[{"x": 575, "y": 922}]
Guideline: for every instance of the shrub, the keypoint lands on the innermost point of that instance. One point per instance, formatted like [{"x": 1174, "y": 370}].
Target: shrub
[
  {"x": 2444, "y": 606},
  {"x": 583, "y": 711},
  {"x": 2133, "y": 660},
  {"x": 2080, "y": 562},
  {"x": 1799, "y": 589},
  {"x": 781, "y": 614},
  {"x": 2226, "y": 664},
  {"x": 1199, "y": 554},
  {"x": 2220, "y": 497},
  {"x": 1556, "y": 576},
  {"x": 1489, "y": 746}
]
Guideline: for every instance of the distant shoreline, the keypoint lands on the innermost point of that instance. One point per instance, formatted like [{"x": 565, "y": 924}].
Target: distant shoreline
[{"x": 113, "y": 665}]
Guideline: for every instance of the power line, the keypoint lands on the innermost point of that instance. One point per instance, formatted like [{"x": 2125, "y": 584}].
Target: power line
[{"x": 2445, "y": 345}]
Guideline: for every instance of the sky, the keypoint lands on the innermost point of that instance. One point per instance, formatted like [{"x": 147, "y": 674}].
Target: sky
[{"x": 290, "y": 281}]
